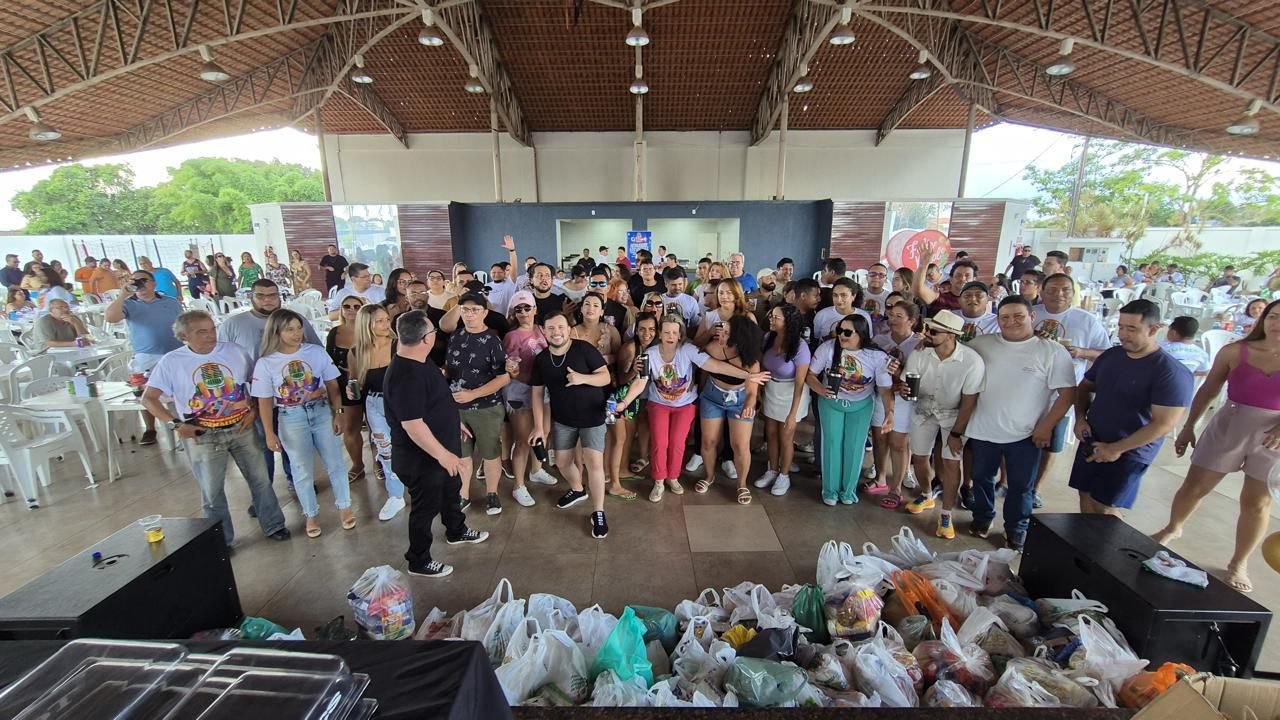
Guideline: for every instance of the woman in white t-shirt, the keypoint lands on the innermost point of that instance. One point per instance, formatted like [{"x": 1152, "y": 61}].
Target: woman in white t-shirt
[
  {"x": 899, "y": 342},
  {"x": 300, "y": 379},
  {"x": 672, "y": 394},
  {"x": 859, "y": 370}
]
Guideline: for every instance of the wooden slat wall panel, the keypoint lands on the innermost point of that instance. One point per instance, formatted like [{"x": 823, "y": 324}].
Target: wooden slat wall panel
[
  {"x": 975, "y": 227},
  {"x": 309, "y": 228},
  {"x": 857, "y": 232},
  {"x": 426, "y": 238}
]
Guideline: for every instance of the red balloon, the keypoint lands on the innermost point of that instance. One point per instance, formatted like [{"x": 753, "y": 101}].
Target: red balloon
[{"x": 907, "y": 248}]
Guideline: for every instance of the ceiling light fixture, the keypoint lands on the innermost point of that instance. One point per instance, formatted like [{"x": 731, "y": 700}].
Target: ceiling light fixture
[
  {"x": 358, "y": 74},
  {"x": 804, "y": 84},
  {"x": 1063, "y": 65},
  {"x": 211, "y": 71},
  {"x": 637, "y": 37},
  {"x": 1248, "y": 123},
  {"x": 923, "y": 69},
  {"x": 843, "y": 34},
  {"x": 430, "y": 36},
  {"x": 40, "y": 131},
  {"x": 639, "y": 86},
  {"x": 473, "y": 84}
]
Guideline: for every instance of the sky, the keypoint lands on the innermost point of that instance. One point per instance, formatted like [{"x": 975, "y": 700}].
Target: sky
[{"x": 998, "y": 160}]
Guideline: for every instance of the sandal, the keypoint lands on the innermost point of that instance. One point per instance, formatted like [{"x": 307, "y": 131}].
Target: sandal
[
  {"x": 638, "y": 466},
  {"x": 702, "y": 486},
  {"x": 744, "y": 496},
  {"x": 354, "y": 475},
  {"x": 875, "y": 488},
  {"x": 313, "y": 528},
  {"x": 624, "y": 495},
  {"x": 892, "y": 501},
  {"x": 348, "y": 519},
  {"x": 379, "y": 473}
]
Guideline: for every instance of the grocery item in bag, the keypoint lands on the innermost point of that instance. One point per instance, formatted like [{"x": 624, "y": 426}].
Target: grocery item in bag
[
  {"x": 382, "y": 604},
  {"x": 914, "y": 630},
  {"x": 764, "y": 683},
  {"x": 948, "y": 694},
  {"x": 949, "y": 659},
  {"x": 623, "y": 652},
  {"x": 806, "y": 608},
  {"x": 1144, "y": 687},
  {"x": 659, "y": 625},
  {"x": 916, "y": 594},
  {"x": 855, "y": 615}
]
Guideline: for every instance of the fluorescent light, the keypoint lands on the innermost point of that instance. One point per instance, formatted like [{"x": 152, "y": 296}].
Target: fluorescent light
[
  {"x": 473, "y": 86},
  {"x": 211, "y": 71},
  {"x": 1063, "y": 65},
  {"x": 803, "y": 85},
  {"x": 922, "y": 70},
  {"x": 39, "y": 130},
  {"x": 842, "y": 35},
  {"x": 638, "y": 37},
  {"x": 358, "y": 74},
  {"x": 639, "y": 87}
]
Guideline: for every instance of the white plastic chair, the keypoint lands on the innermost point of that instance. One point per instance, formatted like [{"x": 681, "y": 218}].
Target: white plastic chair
[
  {"x": 28, "y": 340},
  {"x": 1215, "y": 340},
  {"x": 860, "y": 276},
  {"x": 56, "y": 384},
  {"x": 110, "y": 364},
  {"x": 1124, "y": 295},
  {"x": 27, "y": 451},
  {"x": 12, "y": 353},
  {"x": 35, "y": 368},
  {"x": 206, "y": 305}
]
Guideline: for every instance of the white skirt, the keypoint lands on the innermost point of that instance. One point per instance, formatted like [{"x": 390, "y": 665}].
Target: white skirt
[{"x": 777, "y": 400}]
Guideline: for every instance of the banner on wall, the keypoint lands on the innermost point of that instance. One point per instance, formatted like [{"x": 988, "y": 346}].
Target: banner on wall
[{"x": 638, "y": 240}]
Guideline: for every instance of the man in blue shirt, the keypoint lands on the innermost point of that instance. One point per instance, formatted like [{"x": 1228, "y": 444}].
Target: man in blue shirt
[
  {"x": 166, "y": 282},
  {"x": 1130, "y": 399},
  {"x": 737, "y": 264},
  {"x": 150, "y": 316},
  {"x": 11, "y": 274}
]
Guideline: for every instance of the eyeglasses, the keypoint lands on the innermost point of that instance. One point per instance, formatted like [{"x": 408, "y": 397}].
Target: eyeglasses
[
  {"x": 598, "y": 284},
  {"x": 845, "y": 332},
  {"x": 471, "y": 309},
  {"x": 523, "y": 308}
]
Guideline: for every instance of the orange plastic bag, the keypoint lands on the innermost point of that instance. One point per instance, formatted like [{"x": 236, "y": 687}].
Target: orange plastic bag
[
  {"x": 918, "y": 597},
  {"x": 1144, "y": 687}
]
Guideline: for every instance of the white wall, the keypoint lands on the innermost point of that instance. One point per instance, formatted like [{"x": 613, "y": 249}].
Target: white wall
[
  {"x": 576, "y": 167},
  {"x": 588, "y": 233}
]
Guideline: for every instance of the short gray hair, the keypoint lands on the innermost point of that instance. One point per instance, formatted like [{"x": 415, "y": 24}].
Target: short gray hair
[
  {"x": 183, "y": 322},
  {"x": 412, "y": 327}
]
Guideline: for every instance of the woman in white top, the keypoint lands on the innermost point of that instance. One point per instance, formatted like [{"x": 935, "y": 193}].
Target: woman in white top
[
  {"x": 857, "y": 369},
  {"x": 899, "y": 342},
  {"x": 300, "y": 379},
  {"x": 730, "y": 301},
  {"x": 786, "y": 397},
  {"x": 592, "y": 328},
  {"x": 437, "y": 295}
]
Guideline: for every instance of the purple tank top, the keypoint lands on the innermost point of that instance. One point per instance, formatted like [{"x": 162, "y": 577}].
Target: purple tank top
[{"x": 1247, "y": 385}]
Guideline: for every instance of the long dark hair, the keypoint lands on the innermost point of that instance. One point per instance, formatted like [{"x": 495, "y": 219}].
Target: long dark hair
[
  {"x": 393, "y": 293},
  {"x": 746, "y": 337},
  {"x": 863, "y": 330},
  {"x": 793, "y": 323},
  {"x": 1259, "y": 332}
]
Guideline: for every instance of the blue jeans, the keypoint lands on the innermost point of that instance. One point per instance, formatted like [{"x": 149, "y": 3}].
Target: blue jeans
[
  {"x": 270, "y": 457},
  {"x": 304, "y": 430},
  {"x": 375, "y": 414},
  {"x": 208, "y": 454},
  {"x": 1022, "y": 461}
]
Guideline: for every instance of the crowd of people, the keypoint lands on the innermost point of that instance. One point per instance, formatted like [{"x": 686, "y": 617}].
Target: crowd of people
[{"x": 619, "y": 368}]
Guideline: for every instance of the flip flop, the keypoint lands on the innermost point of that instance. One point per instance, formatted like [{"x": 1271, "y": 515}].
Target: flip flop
[
  {"x": 875, "y": 488},
  {"x": 624, "y": 495},
  {"x": 892, "y": 501}
]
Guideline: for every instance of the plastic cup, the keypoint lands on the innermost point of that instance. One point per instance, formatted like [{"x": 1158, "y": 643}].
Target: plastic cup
[{"x": 152, "y": 528}]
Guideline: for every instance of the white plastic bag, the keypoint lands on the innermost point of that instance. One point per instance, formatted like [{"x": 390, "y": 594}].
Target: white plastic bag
[
  {"x": 698, "y": 633},
  {"x": 706, "y": 605},
  {"x": 382, "y": 604},
  {"x": 766, "y": 611},
  {"x": 658, "y": 658},
  {"x": 476, "y": 621},
  {"x": 437, "y": 625},
  {"x": 522, "y": 676},
  {"x": 1022, "y": 622},
  {"x": 786, "y": 597},
  {"x": 969, "y": 572},
  {"x": 594, "y": 627},
  {"x": 737, "y": 602},
  {"x": 509, "y": 617},
  {"x": 1054, "y": 610},
  {"x": 874, "y": 551},
  {"x": 840, "y": 571},
  {"x": 543, "y": 606},
  {"x": 698, "y": 665},
  {"x": 961, "y": 602},
  {"x": 1102, "y": 658},
  {"x": 911, "y": 549},
  {"x": 519, "y": 641},
  {"x": 566, "y": 666},
  {"x": 876, "y": 671},
  {"x": 663, "y": 695},
  {"x": 611, "y": 692}
]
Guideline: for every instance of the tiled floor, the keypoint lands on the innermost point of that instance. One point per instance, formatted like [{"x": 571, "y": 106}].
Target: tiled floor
[{"x": 656, "y": 554}]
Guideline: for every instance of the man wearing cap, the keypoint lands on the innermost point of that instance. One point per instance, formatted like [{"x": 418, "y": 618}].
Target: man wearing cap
[
  {"x": 493, "y": 319},
  {"x": 951, "y": 376},
  {"x": 975, "y": 310},
  {"x": 1031, "y": 385},
  {"x": 766, "y": 295},
  {"x": 475, "y": 364}
]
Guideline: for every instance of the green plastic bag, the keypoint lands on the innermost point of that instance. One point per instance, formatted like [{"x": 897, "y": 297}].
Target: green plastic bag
[
  {"x": 807, "y": 610},
  {"x": 256, "y": 628},
  {"x": 623, "y": 652},
  {"x": 764, "y": 683},
  {"x": 659, "y": 625}
]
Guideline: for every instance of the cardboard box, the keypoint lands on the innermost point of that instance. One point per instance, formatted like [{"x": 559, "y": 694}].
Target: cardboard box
[{"x": 1208, "y": 697}]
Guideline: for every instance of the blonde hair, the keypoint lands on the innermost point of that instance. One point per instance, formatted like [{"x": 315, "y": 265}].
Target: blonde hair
[
  {"x": 362, "y": 352},
  {"x": 276, "y": 323},
  {"x": 724, "y": 271}
]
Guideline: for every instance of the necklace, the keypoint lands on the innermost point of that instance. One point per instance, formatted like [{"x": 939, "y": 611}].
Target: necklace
[{"x": 563, "y": 359}]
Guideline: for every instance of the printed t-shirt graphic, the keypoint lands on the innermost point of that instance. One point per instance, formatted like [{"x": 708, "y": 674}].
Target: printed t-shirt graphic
[{"x": 218, "y": 400}]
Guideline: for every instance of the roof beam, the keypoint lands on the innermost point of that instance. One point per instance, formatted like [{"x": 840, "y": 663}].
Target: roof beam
[
  {"x": 918, "y": 93},
  {"x": 473, "y": 38},
  {"x": 1187, "y": 37},
  {"x": 111, "y": 38},
  {"x": 808, "y": 27}
]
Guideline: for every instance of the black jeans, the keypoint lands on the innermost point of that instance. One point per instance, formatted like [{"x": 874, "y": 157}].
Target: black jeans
[{"x": 432, "y": 491}]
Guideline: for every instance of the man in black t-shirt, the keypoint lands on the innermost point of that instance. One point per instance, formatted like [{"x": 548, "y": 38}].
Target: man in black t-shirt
[
  {"x": 426, "y": 440},
  {"x": 575, "y": 374},
  {"x": 645, "y": 281},
  {"x": 546, "y": 297},
  {"x": 333, "y": 265},
  {"x": 1022, "y": 261}
]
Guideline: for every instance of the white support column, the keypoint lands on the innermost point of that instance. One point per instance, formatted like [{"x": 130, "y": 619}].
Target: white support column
[
  {"x": 497, "y": 150},
  {"x": 639, "y": 147},
  {"x": 781, "y": 193},
  {"x": 968, "y": 142}
]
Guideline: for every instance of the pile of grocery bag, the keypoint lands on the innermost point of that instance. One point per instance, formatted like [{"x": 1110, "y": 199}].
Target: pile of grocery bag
[{"x": 900, "y": 627}]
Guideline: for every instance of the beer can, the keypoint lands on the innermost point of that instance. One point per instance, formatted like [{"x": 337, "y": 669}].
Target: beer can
[{"x": 644, "y": 364}]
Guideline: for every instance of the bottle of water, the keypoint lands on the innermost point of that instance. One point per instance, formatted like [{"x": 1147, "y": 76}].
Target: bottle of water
[{"x": 610, "y": 411}]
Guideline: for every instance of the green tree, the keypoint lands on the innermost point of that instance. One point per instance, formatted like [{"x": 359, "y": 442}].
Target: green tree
[
  {"x": 214, "y": 195},
  {"x": 79, "y": 199}
]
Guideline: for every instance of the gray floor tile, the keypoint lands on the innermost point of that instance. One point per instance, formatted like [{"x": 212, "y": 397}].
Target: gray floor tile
[{"x": 734, "y": 528}]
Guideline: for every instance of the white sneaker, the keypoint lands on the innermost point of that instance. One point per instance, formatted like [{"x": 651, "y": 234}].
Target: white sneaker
[
  {"x": 522, "y": 496},
  {"x": 870, "y": 474},
  {"x": 694, "y": 463},
  {"x": 781, "y": 486},
  {"x": 909, "y": 482},
  {"x": 675, "y": 487},
  {"x": 766, "y": 479},
  {"x": 795, "y": 467},
  {"x": 391, "y": 508},
  {"x": 542, "y": 477},
  {"x": 729, "y": 469},
  {"x": 655, "y": 495}
]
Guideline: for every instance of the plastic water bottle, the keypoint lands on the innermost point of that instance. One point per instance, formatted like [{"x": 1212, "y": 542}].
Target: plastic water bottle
[{"x": 610, "y": 411}]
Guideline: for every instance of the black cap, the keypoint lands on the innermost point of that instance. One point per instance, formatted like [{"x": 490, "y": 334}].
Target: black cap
[
  {"x": 473, "y": 298},
  {"x": 473, "y": 286},
  {"x": 975, "y": 284}
]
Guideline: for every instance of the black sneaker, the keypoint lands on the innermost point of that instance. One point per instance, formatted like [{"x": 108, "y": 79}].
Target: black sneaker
[
  {"x": 506, "y": 471},
  {"x": 280, "y": 535},
  {"x": 599, "y": 528},
  {"x": 979, "y": 529},
  {"x": 148, "y": 438},
  {"x": 466, "y": 503},
  {"x": 433, "y": 569},
  {"x": 494, "y": 505},
  {"x": 966, "y": 498},
  {"x": 1015, "y": 540},
  {"x": 470, "y": 537},
  {"x": 571, "y": 498},
  {"x": 1036, "y": 501},
  {"x": 253, "y": 511}
]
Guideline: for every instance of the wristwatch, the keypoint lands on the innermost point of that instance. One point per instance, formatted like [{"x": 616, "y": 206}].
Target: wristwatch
[
  {"x": 958, "y": 436},
  {"x": 173, "y": 424}
]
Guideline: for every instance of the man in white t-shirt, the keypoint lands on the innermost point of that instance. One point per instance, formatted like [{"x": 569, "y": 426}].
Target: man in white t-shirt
[
  {"x": 1015, "y": 415},
  {"x": 359, "y": 282},
  {"x": 1085, "y": 338},
  {"x": 843, "y": 295},
  {"x": 674, "y": 279},
  {"x": 501, "y": 283},
  {"x": 975, "y": 310},
  {"x": 877, "y": 276},
  {"x": 213, "y": 413},
  {"x": 951, "y": 376}
]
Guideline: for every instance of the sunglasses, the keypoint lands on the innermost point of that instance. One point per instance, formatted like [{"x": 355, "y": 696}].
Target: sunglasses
[
  {"x": 653, "y": 303},
  {"x": 523, "y": 308},
  {"x": 350, "y": 307},
  {"x": 845, "y": 333},
  {"x": 598, "y": 284}
]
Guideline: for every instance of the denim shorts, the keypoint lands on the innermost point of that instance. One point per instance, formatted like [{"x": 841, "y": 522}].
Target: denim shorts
[
  {"x": 715, "y": 403},
  {"x": 566, "y": 438}
]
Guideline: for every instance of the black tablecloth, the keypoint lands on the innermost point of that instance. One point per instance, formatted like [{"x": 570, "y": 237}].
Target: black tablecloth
[{"x": 410, "y": 679}]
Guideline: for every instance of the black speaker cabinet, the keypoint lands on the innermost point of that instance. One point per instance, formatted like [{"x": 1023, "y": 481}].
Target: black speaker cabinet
[
  {"x": 137, "y": 590},
  {"x": 1214, "y": 629}
]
